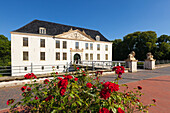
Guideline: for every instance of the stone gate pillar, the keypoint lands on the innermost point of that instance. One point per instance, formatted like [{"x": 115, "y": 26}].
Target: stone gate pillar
[
  {"x": 132, "y": 62},
  {"x": 149, "y": 62}
]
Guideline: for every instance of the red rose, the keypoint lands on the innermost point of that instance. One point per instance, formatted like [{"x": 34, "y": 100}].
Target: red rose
[
  {"x": 137, "y": 100},
  {"x": 29, "y": 89},
  {"x": 75, "y": 79},
  {"x": 63, "y": 83},
  {"x": 154, "y": 100},
  {"x": 106, "y": 84},
  {"x": 10, "y": 101},
  {"x": 46, "y": 81},
  {"x": 113, "y": 87},
  {"x": 119, "y": 110},
  {"x": 68, "y": 77},
  {"x": 23, "y": 88},
  {"x": 59, "y": 78},
  {"x": 49, "y": 98},
  {"x": 64, "y": 76},
  {"x": 84, "y": 74},
  {"x": 62, "y": 91},
  {"x": 104, "y": 93},
  {"x": 139, "y": 87},
  {"x": 56, "y": 73},
  {"x": 30, "y": 75},
  {"x": 89, "y": 85},
  {"x": 78, "y": 68},
  {"x": 104, "y": 110},
  {"x": 36, "y": 98}
]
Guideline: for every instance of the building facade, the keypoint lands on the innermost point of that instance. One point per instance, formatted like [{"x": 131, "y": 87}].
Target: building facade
[{"x": 39, "y": 45}]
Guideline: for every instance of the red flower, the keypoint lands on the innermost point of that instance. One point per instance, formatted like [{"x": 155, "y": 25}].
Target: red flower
[
  {"x": 78, "y": 68},
  {"x": 127, "y": 94},
  {"x": 154, "y": 100},
  {"x": 119, "y": 76},
  {"x": 106, "y": 84},
  {"x": 68, "y": 77},
  {"x": 89, "y": 85},
  {"x": 63, "y": 83},
  {"x": 101, "y": 82},
  {"x": 59, "y": 78},
  {"x": 46, "y": 81},
  {"x": 137, "y": 100},
  {"x": 104, "y": 110},
  {"x": 10, "y": 101},
  {"x": 29, "y": 89},
  {"x": 83, "y": 71},
  {"x": 23, "y": 88},
  {"x": 113, "y": 87},
  {"x": 104, "y": 93},
  {"x": 119, "y": 110},
  {"x": 139, "y": 87},
  {"x": 75, "y": 79},
  {"x": 36, "y": 98},
  {"x": 30, "y": 75},
  {"x": 64, "y": 76},
  {"x": 49, "y": 98},
  {"x": 119, "y": 69},
  {"x": 56, "y": 73},
  {"x": 84, "y": 74},
  {"x": 62, "y": 91}
]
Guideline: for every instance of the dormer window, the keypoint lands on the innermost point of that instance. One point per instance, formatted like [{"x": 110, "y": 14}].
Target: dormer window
[
  {"x": 97, "y": 38},
  {"x": 42, "y": 30}
]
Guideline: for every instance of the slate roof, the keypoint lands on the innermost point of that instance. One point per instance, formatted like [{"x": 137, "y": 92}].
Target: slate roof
[{"x": 55, "y": 29}]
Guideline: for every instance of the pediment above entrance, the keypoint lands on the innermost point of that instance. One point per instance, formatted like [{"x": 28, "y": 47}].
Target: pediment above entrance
[{"x": 76, "y": 35}]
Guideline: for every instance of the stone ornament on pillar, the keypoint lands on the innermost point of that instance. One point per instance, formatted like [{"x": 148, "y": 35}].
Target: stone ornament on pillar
[
  {"x": 149, "y": 62},
  {"x": 132, "y": 62}
]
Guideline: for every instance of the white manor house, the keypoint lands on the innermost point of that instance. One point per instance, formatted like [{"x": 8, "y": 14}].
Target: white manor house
[{"x": 39, "y": 45}]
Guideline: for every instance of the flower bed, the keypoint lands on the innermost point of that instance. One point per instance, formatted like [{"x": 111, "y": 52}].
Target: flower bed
[{"x": 79, "y": 93}]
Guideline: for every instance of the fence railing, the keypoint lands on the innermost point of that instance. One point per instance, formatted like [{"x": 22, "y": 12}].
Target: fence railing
[
  {"x": 103, "y": 64},
  {"x": 162, "y": 62}
]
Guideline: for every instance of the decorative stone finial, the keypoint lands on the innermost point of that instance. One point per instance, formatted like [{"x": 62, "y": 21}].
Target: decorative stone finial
[
  {"x": 84, "y": 32},
  {"x": 131, "y": 56},
  {"x": 149, "y": 56},
  {"x": 71, "y": 29}
]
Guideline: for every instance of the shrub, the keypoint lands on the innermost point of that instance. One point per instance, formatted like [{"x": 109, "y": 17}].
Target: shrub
[{"x": 80, "y": 93}]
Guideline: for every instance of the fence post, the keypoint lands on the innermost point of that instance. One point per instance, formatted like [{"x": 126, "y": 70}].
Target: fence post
[{"x": 31, "y": 67}]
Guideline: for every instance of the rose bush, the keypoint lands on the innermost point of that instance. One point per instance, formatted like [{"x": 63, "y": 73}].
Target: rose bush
[{"x": 80, "y": 93}]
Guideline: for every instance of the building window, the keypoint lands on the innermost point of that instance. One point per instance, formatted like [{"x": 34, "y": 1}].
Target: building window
[
  {"x": 25, "y": 68},
  {"x": 42, "y": 42},
  {"x": 25, "y": 55},
  {"x": 77, "y": 45},
  {"x": 87, "y": 56},
  {"x": 42, "y": 55},
  {"x": 86, "y": 46},
  {"x": 98, "y": 56},
  {"x": 64, "y": 45},
  {"x": 106, "y": 47},
  {"x": 97, "y": 38},
  {"x": 91, "y": 46},
  {"x": 98, "y": 46},
  {"x": 57, "y": 56},
  {"x": 106, "y": 56},
  {"x": 25, "y": 41},
  {"x": 57, "y": 44},
  {"x": 64, "y": 56},
  {"x": 42, "y": 30},
  {"x": 91, "y": 56}
]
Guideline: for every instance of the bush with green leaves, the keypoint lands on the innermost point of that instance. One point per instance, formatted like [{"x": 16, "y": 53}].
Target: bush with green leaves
[{"x": 79, "y": 93}]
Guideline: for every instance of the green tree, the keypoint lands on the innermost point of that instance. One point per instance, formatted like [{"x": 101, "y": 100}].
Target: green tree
[{"x": 5, "y": 51}]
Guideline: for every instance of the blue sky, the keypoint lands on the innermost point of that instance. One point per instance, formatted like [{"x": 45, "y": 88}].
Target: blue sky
[{"x": 113, "y": 18}]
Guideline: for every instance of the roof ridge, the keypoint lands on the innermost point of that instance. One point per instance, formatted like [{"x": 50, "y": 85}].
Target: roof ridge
[{"x": 64, "y": 25}]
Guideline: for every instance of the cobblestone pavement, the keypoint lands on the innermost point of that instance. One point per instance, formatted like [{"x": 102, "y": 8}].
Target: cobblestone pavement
[{"x": 15, "y": 92}]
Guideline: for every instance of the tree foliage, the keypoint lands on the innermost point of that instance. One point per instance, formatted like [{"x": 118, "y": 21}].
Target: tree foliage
[
  {"x": 142, "y": 43},
  {"x": 5, "y": 51}
]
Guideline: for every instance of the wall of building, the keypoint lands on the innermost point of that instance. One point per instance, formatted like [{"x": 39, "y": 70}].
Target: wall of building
[{"x": 50, "y": 50}]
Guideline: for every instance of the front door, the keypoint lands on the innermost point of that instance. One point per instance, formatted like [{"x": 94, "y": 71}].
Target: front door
[{"x": 77, "y": 58}]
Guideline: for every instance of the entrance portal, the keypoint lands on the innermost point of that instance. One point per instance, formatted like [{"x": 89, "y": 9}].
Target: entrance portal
[{"x": 77, "y": 58}]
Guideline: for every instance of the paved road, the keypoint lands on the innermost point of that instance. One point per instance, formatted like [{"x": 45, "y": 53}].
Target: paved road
[{"x": 15, "y": 92}]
